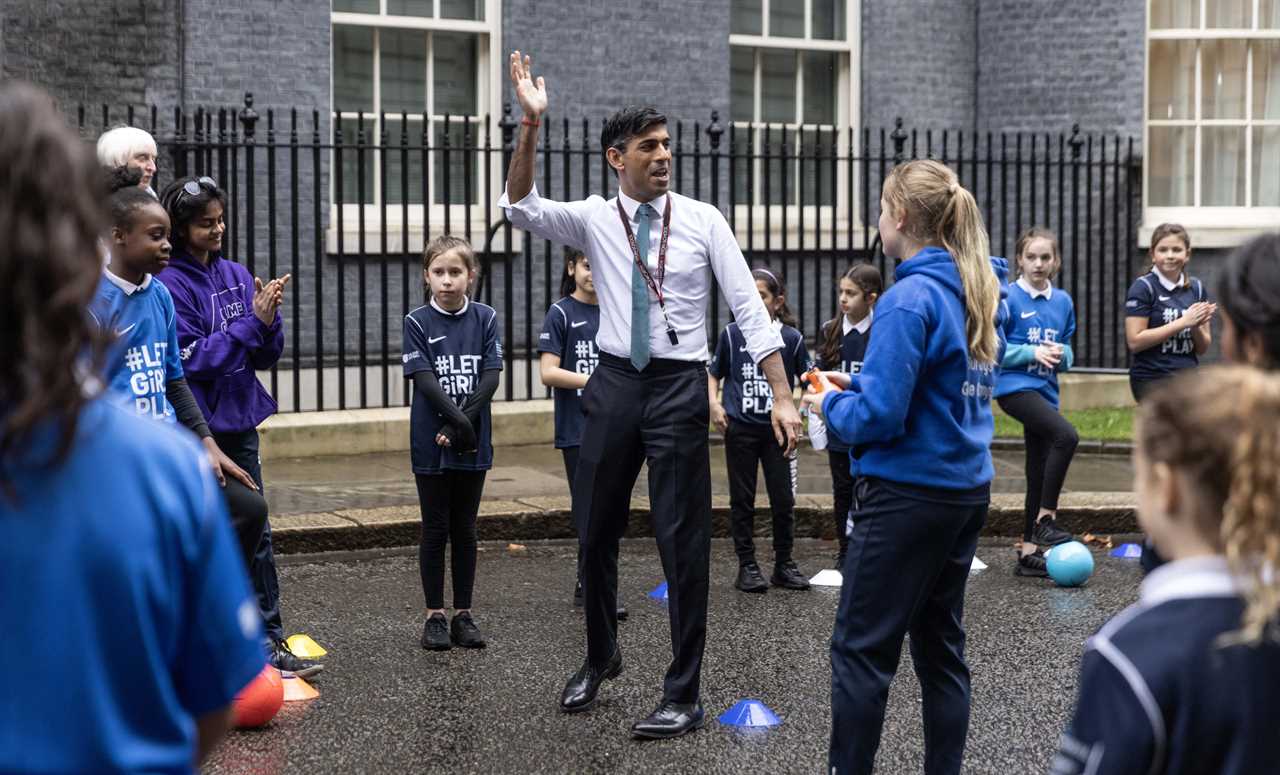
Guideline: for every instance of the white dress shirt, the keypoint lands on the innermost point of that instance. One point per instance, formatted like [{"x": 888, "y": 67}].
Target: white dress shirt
[{"x": 700, "y": 244}]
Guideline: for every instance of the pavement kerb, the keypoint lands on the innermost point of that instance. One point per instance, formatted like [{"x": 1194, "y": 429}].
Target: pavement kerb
[{"x": 542, "y": 518}]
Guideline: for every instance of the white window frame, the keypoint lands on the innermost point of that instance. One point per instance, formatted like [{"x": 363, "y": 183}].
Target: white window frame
[
  {"x": 848, "y": 115},
  {"x": 1210, "y": 227},
  {"x": 489, "y": 91}
]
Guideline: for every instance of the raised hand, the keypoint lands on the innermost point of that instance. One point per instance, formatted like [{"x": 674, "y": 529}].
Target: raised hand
[{"x": 531, "y": 94}]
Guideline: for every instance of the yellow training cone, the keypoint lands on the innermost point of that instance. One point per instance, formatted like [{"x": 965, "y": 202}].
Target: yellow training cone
[
  {"x": 296, "y": 689},
  {"x": 303, "y": 646}
]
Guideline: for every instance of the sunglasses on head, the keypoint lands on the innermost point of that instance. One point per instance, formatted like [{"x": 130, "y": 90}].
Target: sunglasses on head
[{"x": 193, "y": 187}]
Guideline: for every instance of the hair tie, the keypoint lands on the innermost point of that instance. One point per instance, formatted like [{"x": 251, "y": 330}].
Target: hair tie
[{"x": 953, "y": 188}]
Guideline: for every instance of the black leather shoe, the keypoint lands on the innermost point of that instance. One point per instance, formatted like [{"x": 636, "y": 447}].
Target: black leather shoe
[
  {"x": 750, "y": 579},
  {"x": 580, "y": 692},
  {"x": 669, "y": 719},
  {"x": 788, "y": 575}
]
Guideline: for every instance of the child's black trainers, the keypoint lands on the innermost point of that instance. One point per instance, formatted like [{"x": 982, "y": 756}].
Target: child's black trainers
[
  {"x": 1032, "y": 565},
  {"x": 465, "y": 633},
  {"x": 1047, "y": 533},
  {"x": 435, "y": 634}
]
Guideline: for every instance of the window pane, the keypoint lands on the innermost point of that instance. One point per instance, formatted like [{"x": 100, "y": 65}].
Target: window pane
[
  {"x": 409, "y": 7},
  {"x": 1172, "y": 156},
  {"x": 1172, "y": 82},
  {"x": 1175, "y": 14},
  {"x": 778, "y": 86},
  {"x": 1269, "y": 14},
  {"x": 404, "y": 70},
  {"x": 1231, "y": 14},
  {"x": 1266, "y": 80},
  {"x": 352, "y": 156},
  {"x": 818, "y": 166},
  {"x": 455, "y": 74},
  {"x": 1222, "y": 166},
  {"x": 743, "y": 168},
  {"x": 462, "y": 9},
  {"x": 356, "y": 6},
  {"x": 819, "y": 87},
  {"x": 828, "y": 19},
  {"x": 1266, "y": 156},
  {"x": 352, "y": 68},
  {"x": 456, "y": 163},
  {"x": 786, "y": 18},
  {"x": 745, "y": 17},
  {"x": 404, "y": 154},
  {"x": 742, "y": 84},
  {"x": 779, "y": 145},
  {"x": 1222, "y": 78}
]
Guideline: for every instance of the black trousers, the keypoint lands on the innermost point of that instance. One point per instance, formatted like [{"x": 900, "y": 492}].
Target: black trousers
[
  {"x": 1141, "y": 388},
  {"x": 242, "y": 447},
  {"x": 746, "y": 449},
  {"x": 658, "y": 416},
  {"x": 248, "y": 517},
  {"x": 842, "y": 492},
  {"x": 449, "y": 502},
  {"x": 1051, "y": 444},
  {"x": 905, "y": 572},
  {"x": 570, "y": 471}
]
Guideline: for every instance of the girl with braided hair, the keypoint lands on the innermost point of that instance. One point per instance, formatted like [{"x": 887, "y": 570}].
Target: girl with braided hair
[{"x": 1207, "y": 460}]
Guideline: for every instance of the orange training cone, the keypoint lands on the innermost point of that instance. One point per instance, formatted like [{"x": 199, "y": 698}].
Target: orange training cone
[{"x": 296, "y": 689}]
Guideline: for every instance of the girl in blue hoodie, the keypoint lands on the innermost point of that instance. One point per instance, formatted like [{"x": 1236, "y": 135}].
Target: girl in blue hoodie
[
  {"x": 917, "y": 419},
  {"x": 228, "y": 327}
]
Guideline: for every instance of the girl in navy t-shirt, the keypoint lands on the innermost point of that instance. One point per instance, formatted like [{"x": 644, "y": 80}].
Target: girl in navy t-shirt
[
  {"x": 1039, "y": 323},
  {"x": 744, "y": 419},
  {"x": 1167, "y": 313},
  {"x": 453, "y": 355},
  {"x": 568, "y": 356},
  {"x": 1185, "y": 680},
  {"x": 844, "y": 343}
]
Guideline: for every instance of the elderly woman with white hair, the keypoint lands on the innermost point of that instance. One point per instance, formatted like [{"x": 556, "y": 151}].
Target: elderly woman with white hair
[{"x": 127, "y": 146}]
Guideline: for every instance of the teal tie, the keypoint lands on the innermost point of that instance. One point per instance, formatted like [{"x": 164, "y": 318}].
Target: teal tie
[{"x": 640, "y": 292}]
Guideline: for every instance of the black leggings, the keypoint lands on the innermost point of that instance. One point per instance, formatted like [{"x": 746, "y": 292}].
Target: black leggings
[
  {"x": 1051, "y": 443},
  {"x": 746, "y": 449},
  {"x": 449, "y": 502},
  {"x": 842, "y": 490}
]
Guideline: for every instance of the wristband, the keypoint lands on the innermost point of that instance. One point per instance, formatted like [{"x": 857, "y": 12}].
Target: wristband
[{"x": 527, "y": 122}]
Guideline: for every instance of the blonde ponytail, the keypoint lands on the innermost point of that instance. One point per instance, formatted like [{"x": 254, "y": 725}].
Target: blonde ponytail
[
  {"x": 1219, "y": 427},
  {"x": 939, "y": 211}
]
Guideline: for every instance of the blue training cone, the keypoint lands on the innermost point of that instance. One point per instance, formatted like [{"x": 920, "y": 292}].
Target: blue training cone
[
  {"x": 749, "y": 713},
  {"x": 1128, "y": 551},
  {"x": 659, "y": 592}
]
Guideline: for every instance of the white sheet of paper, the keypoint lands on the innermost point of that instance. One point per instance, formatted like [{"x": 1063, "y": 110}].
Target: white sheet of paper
[{"x": 827, "y": 578}]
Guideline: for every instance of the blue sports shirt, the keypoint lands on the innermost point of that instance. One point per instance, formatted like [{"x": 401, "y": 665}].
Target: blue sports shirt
[
  {"x": 569, "y": 331},
  {"x": 1161, "y": 302},
  {"x": 1034, "y": 318},
  {"x": 126, "y": 606},
  {"x": 456, "y": 347},
  {"x": 747, "y": 396},
  {"x": 144, "y": 355}
]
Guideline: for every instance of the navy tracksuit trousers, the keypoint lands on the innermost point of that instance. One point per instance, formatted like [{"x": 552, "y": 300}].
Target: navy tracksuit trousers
[{"x": 905, "y": 573}]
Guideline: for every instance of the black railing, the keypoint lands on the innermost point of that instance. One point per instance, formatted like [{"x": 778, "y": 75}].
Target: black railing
[{"x": 343, "y": 204}]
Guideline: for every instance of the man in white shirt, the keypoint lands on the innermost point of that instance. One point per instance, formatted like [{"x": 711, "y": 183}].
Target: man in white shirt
[{"x": 653, "y": 254}]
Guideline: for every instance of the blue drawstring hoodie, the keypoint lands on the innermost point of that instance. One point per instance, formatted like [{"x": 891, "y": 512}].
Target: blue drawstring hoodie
[
  {"x": 919, "y": 412},
  {"x": 222, "y": 341}
]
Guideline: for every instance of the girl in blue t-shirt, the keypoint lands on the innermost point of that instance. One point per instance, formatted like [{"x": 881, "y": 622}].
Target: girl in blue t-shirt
[
  {"x": 744, "y": 419},
  {"x": 1168, "y": 313},
  {"x": 568, "y": 356},
  {"x": 1039, "y": 323},
  {"x": 453, "y": 355},
  {"x": 1185, "y": 680},
  {"x": 844, "y": 343}
]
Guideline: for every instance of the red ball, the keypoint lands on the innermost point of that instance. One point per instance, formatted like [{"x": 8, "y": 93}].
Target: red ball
[{"x": 258, "y": 703}]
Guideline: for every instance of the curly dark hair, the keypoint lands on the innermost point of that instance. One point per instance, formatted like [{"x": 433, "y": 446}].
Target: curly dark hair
[
  {"x": 184, "y": 208},
  {"x": 51, "y": 217},
  {"x": 126, "y": 197}
]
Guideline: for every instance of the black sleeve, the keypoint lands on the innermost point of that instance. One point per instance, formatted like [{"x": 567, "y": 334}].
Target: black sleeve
[
  {"x": 186, "y": 408},
  {"x": 479, "y": 399},
  {"x": 457, "y": 427}
]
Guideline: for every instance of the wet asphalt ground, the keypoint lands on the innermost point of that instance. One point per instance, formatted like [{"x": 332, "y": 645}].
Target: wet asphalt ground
[{"x": 386, "y": 705}]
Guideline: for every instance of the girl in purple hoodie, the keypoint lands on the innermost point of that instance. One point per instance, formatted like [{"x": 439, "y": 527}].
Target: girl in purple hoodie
[{"x": 229, "y": 327}]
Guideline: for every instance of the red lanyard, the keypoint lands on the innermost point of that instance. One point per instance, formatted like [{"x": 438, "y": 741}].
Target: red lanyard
[{"x": 655, "y": 286}]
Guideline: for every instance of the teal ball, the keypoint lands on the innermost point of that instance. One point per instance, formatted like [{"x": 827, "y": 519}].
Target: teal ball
[{"x": 1070, "y": 564}]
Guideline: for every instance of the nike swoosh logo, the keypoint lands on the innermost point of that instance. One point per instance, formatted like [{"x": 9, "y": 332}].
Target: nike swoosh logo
[
  {"x": 436, "y": 339},
  {"x": 742, "y": 349},
  {"x": 123, "y": 331},
  {"x": 579, "y": 323},
  {"x": 1026, "y": 315},
  {"x": 1163, "y": 298}
]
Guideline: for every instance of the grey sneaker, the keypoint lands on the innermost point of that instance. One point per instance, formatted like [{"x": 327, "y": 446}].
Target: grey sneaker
[
  {"x": 435, "y": 633},
  {"x": 290, "y": 664}
]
